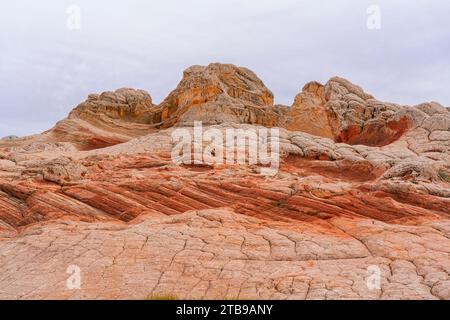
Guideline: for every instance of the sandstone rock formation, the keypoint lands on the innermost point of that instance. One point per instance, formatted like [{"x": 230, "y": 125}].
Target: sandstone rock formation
[
  {"x": 218, "y": 93},
  {"x": 100, "y": 121},
  {"x": 345, "y": 113},
  {"x": 361, "y": 184}
]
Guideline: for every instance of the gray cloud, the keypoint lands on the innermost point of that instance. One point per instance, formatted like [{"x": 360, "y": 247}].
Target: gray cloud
[{"x": 46, "y": 69}]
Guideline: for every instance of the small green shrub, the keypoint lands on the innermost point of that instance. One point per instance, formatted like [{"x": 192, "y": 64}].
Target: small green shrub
[{"x": 161, "y": 297}]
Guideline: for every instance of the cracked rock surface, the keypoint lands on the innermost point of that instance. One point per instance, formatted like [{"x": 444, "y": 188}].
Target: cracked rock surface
[
  {"x": 217, "y": 254},
  {"x": 362, "y": 190}
]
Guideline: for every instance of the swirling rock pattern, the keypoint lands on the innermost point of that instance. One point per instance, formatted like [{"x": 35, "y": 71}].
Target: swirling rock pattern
[{"x": 362, "y": 184}]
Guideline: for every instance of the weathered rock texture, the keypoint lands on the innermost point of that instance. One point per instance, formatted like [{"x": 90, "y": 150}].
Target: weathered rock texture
[
  {"x": 361, "y": 184},
  {"x": 100, "y": 121},
  {"x": 218, "y": 93}
]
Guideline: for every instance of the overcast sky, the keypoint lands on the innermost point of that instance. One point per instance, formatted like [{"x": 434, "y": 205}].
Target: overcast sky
[{"x": 46, "y": 68}]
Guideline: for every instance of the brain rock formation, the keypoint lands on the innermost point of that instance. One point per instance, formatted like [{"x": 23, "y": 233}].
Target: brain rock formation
[{"x": 361, "y": 184}]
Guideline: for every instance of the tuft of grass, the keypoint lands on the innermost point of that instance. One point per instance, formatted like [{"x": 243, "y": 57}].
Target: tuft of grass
[
  {"x": 444, "y": 175},
  {"x": 161, "y": 297}
]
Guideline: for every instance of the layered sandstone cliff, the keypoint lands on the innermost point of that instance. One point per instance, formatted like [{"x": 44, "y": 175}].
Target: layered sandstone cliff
[{"x": 361, "y": 183}]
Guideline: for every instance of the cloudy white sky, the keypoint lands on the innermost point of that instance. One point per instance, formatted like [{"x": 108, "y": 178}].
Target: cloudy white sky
[{"x": 46, "y": 69}]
